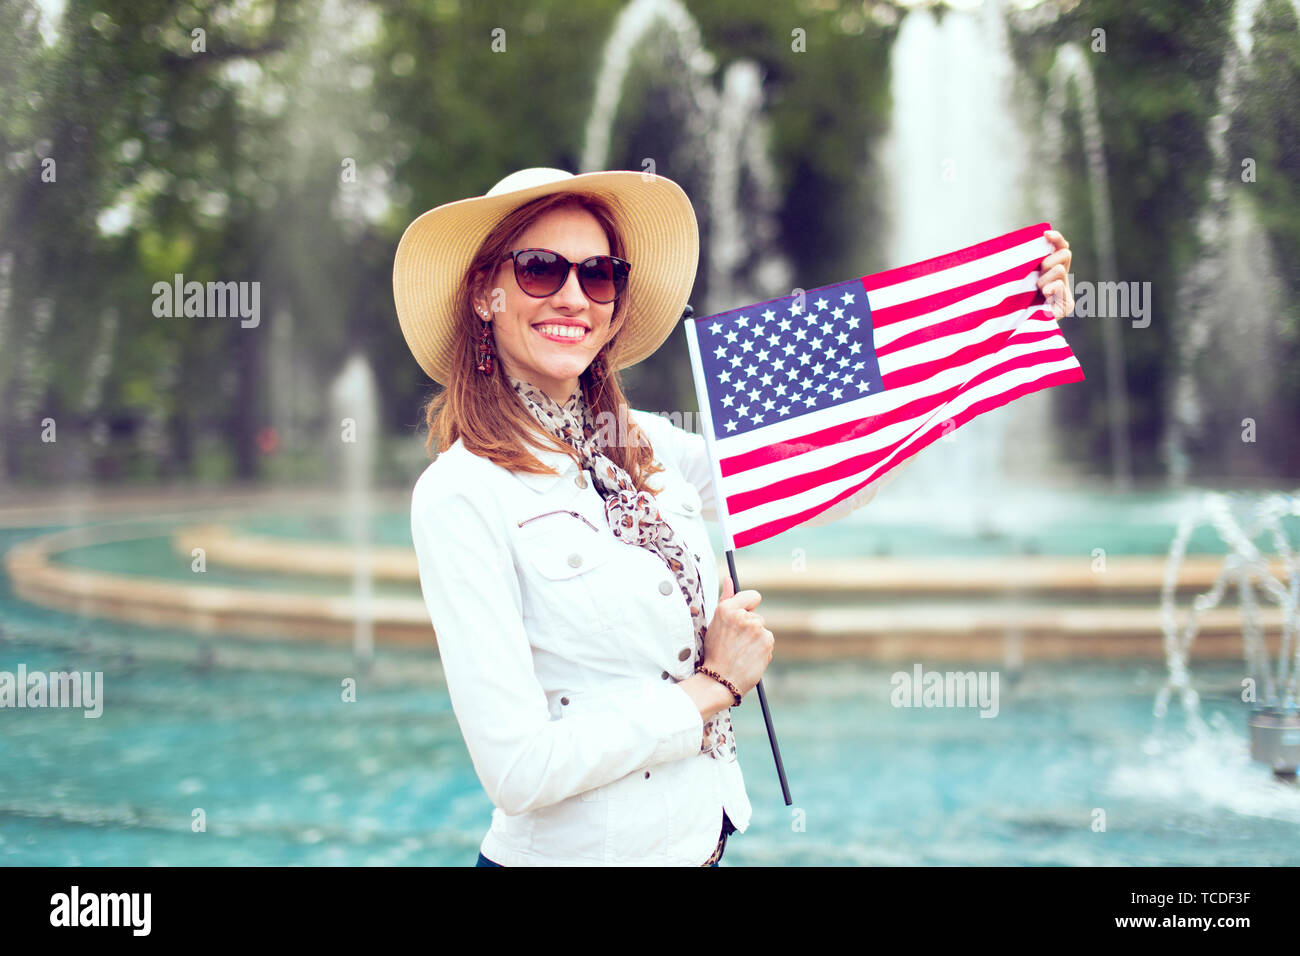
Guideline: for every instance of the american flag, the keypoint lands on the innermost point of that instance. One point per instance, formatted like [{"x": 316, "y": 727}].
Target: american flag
[{"x": 808, "y": 398}]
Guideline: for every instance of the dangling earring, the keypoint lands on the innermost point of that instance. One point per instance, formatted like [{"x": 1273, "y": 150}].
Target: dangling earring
[
  {"x": 598, "y": 370},
  {"x": 485, "y": 352}
]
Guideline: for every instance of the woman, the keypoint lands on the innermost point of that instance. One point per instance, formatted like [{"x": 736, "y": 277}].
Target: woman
[{"x": 561, "y": 541}]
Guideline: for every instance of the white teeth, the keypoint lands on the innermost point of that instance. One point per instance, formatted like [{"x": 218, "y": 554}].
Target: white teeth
[{"x": 567, "y": 331}]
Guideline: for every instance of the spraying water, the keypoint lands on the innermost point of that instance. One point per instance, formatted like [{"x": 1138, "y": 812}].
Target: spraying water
[
  {"x": 1071, "y": 67},
  {"x": 724, "y": 146},
  {"x": 354, "y": 400},
  {"x": 955, "y": 176},
  {"x": 1229, "y": 298}
]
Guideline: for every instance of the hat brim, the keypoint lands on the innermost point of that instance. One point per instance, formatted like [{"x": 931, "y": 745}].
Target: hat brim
[{"x": 659, "y": 230}]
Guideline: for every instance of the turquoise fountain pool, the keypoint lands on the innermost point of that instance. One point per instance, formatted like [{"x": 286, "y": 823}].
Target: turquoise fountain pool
[{"x": 1073, "y": 770}]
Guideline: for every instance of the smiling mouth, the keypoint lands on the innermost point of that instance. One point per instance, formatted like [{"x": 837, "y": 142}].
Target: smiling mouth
[{"x": 562, "y": 333}]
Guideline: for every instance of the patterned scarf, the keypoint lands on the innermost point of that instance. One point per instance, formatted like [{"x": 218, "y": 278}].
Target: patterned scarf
[{"x": 634, "y": 518}]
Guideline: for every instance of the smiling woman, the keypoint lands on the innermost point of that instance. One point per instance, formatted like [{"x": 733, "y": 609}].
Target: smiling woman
[
  {"x": 545, "y": 331},
  {"x": 530, "y": 335},
  {"x": 570, "y": 598}
]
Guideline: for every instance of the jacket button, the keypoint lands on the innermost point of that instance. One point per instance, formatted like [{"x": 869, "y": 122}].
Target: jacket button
[
  {"x": 647, "y": 774},
  {"x": 564, "y": 700},
  {"x": 686, "y": 652},
  {"x": 665, "y": 587},
  {"x": 664, "y": 675},
  {"x": 575, "y": 560},
  {"x": 581, "y": 480}
]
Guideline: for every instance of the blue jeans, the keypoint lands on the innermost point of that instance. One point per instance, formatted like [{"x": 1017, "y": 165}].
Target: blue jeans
[{"x": 727, "y": 829}]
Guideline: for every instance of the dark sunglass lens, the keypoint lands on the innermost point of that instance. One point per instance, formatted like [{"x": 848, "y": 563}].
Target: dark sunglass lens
[
  {"x": 621, "y": 270},
  {"x": 596, "y": 279},
  {"x": 537, "y": 271},
  {"x": 603, "y": 278}
]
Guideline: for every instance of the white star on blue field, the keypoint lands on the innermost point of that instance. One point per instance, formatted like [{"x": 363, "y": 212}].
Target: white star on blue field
[{"x": 779, "y": 359}]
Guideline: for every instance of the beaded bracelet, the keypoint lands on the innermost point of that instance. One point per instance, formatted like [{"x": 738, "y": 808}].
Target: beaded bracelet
[{"x": 722, "y": 680}]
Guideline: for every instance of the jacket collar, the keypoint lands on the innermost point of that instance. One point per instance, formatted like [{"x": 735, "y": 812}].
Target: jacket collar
[{"x": 557, "y": 460}]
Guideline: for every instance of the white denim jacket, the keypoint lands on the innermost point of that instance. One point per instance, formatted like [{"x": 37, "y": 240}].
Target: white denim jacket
[{"x": 562, "y": 648}]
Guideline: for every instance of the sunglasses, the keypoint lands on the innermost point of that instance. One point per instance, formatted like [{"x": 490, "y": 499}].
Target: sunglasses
[{"x": 541, "y": 273}]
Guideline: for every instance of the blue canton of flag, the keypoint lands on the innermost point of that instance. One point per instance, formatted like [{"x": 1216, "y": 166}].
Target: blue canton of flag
[{"x": 790, "y": 356}]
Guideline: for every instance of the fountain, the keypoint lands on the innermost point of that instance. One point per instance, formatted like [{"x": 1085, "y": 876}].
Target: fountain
[
  {"x": 639, "y": 21},
  {"x": 81, "y": 474},
  {"x": 952, "y": 160},
  {"x": 738, "y": 146},
  {"x": 1234, "y": 277},
  {"x": 1275, "y": 719},
  {"x": 724, "y": 146},
  {"x": 1071, "y": 66},
  {"x": 354, "y": 401},
  {"x": 32, "y": 374},
  {"x": 283, "y": 379},
  {"x": 952, "y": 153}
]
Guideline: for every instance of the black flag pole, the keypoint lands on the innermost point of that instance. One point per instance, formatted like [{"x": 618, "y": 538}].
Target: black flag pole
[
  {"x": 762, "y": 700},
  {"x": 687, "y": 313}
]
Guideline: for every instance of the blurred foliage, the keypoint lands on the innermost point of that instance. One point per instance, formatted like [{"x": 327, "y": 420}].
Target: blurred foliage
[{"x": 229, "y": 164}]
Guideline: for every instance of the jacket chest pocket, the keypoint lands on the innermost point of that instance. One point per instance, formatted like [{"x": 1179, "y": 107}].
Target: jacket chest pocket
[
  {"x": 681, "y": 498},
  {"x": 680, "y": 507},
  {"x": 569, "y": 578}
]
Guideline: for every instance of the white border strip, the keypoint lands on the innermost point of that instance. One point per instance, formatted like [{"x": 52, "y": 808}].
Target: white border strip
[{"x": 706, "y": 412}]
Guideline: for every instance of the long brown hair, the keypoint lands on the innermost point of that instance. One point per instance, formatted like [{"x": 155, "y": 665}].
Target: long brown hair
[{"x": 484, "y": 411}]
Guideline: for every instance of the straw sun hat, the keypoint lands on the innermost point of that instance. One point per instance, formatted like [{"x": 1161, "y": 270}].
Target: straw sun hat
[{"x": 653, "y": 214}]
